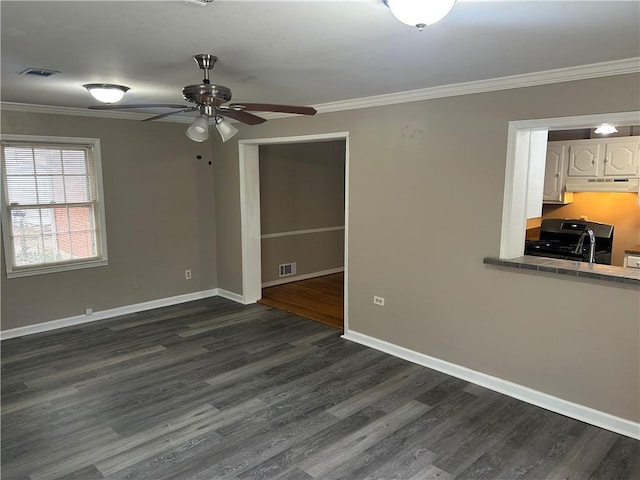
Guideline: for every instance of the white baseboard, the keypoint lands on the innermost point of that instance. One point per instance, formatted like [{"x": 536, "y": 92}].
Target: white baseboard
[
  {"x": 113, "y": 312},
  {"x": 306, "y": 276},
  {"x": 236, "y": 297},
  {"x": 526, "y": 394}
]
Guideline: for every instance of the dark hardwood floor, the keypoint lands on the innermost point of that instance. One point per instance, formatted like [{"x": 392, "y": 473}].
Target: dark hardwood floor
[
  {"x": 215, "y": 390},
  {"x": 320, "y": 299}
]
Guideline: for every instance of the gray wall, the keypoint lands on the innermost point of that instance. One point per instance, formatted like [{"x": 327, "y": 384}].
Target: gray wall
[
  {"x": 302, "y": 188},
  {"x": 425, "y": 206},
  {"x": 160, "y": 221},
  {"x": 426, "y": 189}
]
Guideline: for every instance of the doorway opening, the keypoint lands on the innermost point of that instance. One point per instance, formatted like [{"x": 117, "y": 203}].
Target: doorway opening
[{"x": 331, "y": 281}]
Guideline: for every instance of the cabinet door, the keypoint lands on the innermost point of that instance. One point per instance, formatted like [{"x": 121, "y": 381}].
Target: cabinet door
[
  {"x": 584, "y": 158},
  {"x": 621, "y": 158},
  {"x": 554, "y": 172}
]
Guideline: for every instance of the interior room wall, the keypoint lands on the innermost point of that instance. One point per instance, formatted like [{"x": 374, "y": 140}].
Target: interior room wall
[
  {"x": 159, "y": 205},
  {"x": 426, "y": 188},
  {"x": 618, "y": 209},
  {"x": 302, "y": 188}
]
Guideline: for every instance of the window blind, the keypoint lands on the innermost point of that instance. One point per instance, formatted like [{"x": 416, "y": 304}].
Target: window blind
[{"x": 50, "y": 194}]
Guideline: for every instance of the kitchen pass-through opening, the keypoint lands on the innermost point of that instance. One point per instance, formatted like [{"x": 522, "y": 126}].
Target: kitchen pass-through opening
[{"x": 524, "y": 177}]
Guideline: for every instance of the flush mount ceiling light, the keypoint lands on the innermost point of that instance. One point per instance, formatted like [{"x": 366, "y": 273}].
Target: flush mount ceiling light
[
  {"x": 606, "y": 129},
  {"x": 419, "y": 13},
  {"x": 105, "y": 92}
]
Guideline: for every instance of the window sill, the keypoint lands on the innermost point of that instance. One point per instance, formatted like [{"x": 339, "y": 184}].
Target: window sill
[
  {"x": 56, "y": 268},
  {"x": 609, "y": 273}
]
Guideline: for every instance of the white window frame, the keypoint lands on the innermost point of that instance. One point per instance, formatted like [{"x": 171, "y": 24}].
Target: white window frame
[{"x": 101, "y": 230}]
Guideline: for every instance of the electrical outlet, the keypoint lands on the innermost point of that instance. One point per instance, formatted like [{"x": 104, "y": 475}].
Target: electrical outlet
[
  {"x": 187, "y": 274},
  {"x": 378, "y": 300},
  {"x": 88, "y": 311}
]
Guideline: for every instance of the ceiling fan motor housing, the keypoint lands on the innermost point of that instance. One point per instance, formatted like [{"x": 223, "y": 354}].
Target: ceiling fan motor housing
[{"x": 206, "y": 94}]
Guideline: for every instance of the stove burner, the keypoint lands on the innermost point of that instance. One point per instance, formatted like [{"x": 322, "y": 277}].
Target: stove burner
[{"x": 559, "y": 239}]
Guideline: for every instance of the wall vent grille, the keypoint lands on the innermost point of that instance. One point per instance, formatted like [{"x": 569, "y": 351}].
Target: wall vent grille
[{"x": 287, "y": 269}]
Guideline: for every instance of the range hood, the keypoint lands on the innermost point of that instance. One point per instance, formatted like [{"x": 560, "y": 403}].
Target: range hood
[{"x": 586, "y": 184}]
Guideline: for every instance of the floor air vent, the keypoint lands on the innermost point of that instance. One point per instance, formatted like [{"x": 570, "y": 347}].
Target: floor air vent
[{"x": 287, "y": 269}]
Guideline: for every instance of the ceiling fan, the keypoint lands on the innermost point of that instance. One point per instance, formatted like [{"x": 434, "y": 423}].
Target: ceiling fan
[{"x": 209, "y": 99}]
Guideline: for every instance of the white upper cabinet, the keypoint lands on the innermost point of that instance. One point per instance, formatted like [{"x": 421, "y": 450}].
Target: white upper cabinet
[
  {"x": 621, "y": 157},
  {"x": 585, "y": 158},
  {"x": 555, "y": 174},
  {"x": 601, "y": 158}
]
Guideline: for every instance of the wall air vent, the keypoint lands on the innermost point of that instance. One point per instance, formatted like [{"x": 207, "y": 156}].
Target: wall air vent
[
  {"x": 287, "y": 269},
  {"x": 38, "y": 72}
]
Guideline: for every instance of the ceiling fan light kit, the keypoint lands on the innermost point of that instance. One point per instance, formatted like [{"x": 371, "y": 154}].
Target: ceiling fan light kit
[
  {"x": 419, "y": 13},
  {"x": 225, "y": 129},
  {"x": 209, "y": 100},
  {"x": 106, "y": 92},
  {"x": 198, "y": 131}
]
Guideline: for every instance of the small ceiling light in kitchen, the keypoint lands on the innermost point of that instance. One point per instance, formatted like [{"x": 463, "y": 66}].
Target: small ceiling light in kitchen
[
  {"x": 105, "y": 92},
  {"x": 419, "y": 13},
  {"x": 606, "y": 129}
]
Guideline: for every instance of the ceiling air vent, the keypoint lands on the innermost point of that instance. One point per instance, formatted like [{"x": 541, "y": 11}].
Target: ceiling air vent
[{"x": 38, "y": 72}]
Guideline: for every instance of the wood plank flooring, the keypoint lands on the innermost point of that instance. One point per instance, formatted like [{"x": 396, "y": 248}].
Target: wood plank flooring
[
  {"x": 320, "y": 299},
  {"x": 215, "y": 390}
]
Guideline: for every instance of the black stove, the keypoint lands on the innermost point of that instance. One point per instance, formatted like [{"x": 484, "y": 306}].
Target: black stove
[{"x": 569, "y": 240}]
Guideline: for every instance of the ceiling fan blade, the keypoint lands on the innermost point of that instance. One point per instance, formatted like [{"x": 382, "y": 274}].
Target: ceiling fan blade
[
  {"x": 143, "y": 105},
  {"x": 244, "y": 117},
  {"x": 192, "y": 109},
  {"x": 269, "y": 107}
]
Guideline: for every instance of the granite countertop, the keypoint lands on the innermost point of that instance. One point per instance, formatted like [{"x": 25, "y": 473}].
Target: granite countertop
[
  {"x": 609, "y": 273},
  {"x": 635, "y": 250}
]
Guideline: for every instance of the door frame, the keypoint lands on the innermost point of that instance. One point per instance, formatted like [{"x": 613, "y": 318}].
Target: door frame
[{"x": 248, "y": 157}]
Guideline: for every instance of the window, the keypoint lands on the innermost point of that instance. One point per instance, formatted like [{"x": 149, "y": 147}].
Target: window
[{"x": 52, "y": 209}]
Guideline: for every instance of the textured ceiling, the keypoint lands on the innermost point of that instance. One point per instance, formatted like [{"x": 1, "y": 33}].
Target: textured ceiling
[{"x": 295, "y": 52}]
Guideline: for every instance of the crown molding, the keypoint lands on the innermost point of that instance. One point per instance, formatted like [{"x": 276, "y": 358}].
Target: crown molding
[
  {"x": 546, "y": 77},
  {"x": 85, "y": 112}
]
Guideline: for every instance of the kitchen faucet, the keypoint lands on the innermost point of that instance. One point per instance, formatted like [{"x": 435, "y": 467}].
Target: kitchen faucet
[{"x": 592, "y": 244}]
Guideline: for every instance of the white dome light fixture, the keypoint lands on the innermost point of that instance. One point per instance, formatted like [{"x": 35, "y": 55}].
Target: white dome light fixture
[
  {"x": 106, "y": 92},
  {"x": 420, "y": 13}
]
